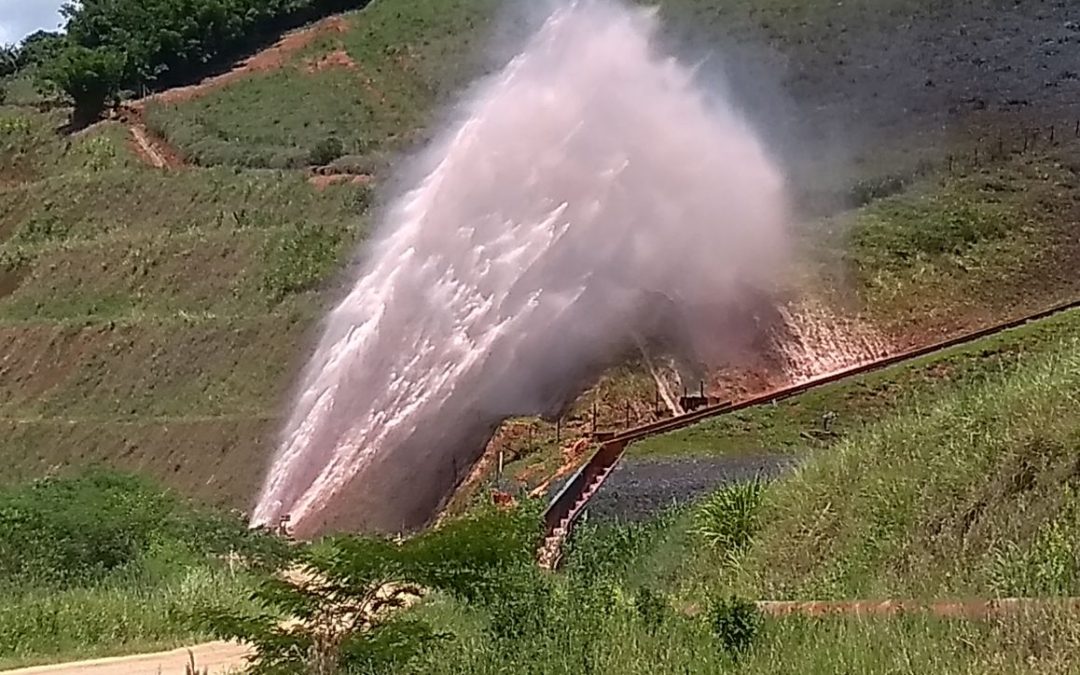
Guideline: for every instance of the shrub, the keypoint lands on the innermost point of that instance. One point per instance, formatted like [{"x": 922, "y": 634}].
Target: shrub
[
  {"x": 90, "y": 76},
  {"x": 73, "y": 531},
  {"x": 326, "y": 151},
  {"x": 39, "y": 48},
  {"x": 341, "y": 606},
  {"x": 735, "y": 623}
]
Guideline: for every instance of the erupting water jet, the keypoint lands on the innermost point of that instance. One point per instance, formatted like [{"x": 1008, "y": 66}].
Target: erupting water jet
[{"x": 589, "y": 177}]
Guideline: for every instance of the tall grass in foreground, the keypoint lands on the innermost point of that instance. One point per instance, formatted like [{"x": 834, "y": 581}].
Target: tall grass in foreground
[
  {"x": 975, "y": 494},
  {"x": 622, "y": 644}
]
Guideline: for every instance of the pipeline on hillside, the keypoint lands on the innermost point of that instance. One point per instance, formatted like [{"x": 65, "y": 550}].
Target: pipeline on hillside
[{"x": 569, "y": 503}]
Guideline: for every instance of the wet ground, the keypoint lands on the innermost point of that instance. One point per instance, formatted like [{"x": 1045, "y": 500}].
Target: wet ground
[{"x": 641, "y": 489}]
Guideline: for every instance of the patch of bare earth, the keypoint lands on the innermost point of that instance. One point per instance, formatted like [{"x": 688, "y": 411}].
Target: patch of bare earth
[
  {"x": 10, "y": 280},
  {"x": 152, "y": 149},
  {"x": 336, "y": 59}
]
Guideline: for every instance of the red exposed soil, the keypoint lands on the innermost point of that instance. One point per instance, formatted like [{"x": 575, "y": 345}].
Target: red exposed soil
[
  {"x": 153, "y": 150},
  {"x": 148, "y": 146},
  {"x": 335, "y": 59}
]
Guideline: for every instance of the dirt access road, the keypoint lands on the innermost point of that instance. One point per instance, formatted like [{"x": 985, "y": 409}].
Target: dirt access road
[{"x": 212, "y": 657}]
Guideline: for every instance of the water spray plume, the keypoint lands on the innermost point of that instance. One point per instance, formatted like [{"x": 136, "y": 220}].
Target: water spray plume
[{"x": 589, "y": 180}]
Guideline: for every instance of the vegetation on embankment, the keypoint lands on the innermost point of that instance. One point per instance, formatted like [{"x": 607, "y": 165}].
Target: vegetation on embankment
[
  {"x": 970, "y": 494},
  {"x": 973, "y": 494},
  {"x": 104, "y": 563},
  {"x": 822, "y": 417}
]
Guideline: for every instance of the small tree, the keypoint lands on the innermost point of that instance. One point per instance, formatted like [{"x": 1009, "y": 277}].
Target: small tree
[
  {"x": 9, "y": 60},
  {"x": 339, "y": 605},
  {"x": 91, "y": 77},
  {"x": 39, "y": 48},
  {"x": 341, "y": 597}
]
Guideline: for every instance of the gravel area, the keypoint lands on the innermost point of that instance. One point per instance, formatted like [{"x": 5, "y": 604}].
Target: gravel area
[{"x": 639, "y": 489}]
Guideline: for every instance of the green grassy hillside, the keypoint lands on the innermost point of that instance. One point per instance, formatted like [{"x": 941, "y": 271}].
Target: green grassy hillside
[{"x": 152, "y": 319}]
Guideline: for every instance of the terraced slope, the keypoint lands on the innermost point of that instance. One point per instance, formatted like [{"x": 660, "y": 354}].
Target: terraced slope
[{"x": 151, "y": 319}]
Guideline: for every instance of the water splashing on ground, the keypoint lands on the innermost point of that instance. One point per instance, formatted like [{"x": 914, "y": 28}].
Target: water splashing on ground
[
  {"x": 820, "y": 341},
  {"x": 589, "y": 178}
]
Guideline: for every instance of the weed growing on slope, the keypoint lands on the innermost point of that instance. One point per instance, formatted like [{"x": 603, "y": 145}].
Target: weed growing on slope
[
  {"x": 1049, "y": 565},
  {"x": 728, "y": 520},
  {"x": 298, "y": 259},
  {"x": 736, "y": 623},
  {"x": 326, "y": 151}
]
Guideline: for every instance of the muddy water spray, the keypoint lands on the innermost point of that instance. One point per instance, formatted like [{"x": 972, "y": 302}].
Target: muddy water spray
[{"x": 589, "y": 178}]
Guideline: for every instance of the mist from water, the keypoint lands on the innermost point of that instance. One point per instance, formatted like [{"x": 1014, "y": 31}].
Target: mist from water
[{"x": 589, "y": 182}]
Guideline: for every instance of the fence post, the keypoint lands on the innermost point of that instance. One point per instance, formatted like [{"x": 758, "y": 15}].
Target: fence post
[
  {"x": 558, "y": 429},
  {"x": 594, "y": 417}
]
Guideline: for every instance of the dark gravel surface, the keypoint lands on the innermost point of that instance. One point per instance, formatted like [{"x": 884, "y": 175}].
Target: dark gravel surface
[{"x": 639, "y": 489}]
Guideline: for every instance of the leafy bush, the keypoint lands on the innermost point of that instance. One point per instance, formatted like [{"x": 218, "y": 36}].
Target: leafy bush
[
  {"x": 735, "y": 624},
  {"x": 39, "y": 48},
  {"x": 90, "y": 76},
  {"x": 727, "y": 520},
  {"x": 326, "y": 151},
  {"x": 341, "y": 604},
  {"x": 9, "y": 60},
  {"x": 65, "y": 532}
]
